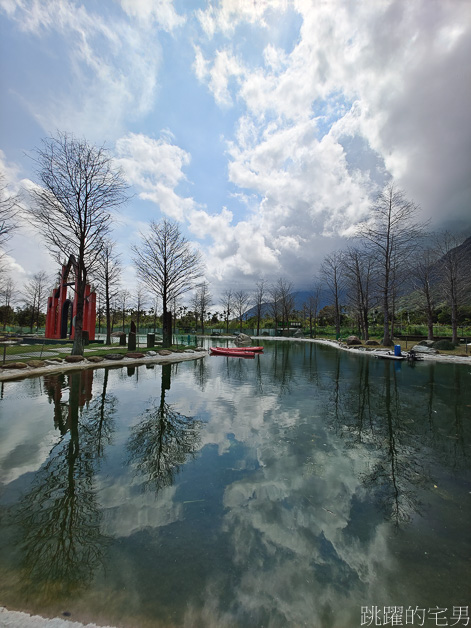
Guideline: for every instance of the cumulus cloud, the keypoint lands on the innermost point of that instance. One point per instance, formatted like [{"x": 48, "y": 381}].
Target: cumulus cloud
[
  {"x": 161, "y": 12},
  {"x": 367, "y": 93},
  {"x": 111, "y": 64},
  {"x": 155, "y": 167}
]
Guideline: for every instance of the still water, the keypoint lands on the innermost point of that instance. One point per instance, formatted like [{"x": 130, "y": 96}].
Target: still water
[{"x": 288, "y": 490}]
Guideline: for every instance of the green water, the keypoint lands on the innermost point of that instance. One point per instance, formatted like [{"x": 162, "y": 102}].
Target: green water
[{"x": 289, "y": 490}]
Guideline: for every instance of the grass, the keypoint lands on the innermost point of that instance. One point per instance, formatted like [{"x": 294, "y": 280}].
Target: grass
[{"x": 51, "y": 351}]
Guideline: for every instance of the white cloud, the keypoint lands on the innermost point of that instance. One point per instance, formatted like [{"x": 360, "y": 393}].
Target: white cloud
[
  {"x": 155, "y": 167},
  {"x": 112, "y": 66},
  {"x": 161, "y": 12},
  {"x": 391, "y": 78}
]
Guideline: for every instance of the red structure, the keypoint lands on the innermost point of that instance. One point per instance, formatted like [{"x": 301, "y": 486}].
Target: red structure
[{"x": 61, "y": 310}]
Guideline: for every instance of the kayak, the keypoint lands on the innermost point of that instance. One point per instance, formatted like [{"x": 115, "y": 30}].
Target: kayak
[
  {"x": 249, "y": 349},
  {"x": 233, "y": 353}
]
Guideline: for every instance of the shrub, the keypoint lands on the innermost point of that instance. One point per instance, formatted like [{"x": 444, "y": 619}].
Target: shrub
[{"x": 444, "y": 345}]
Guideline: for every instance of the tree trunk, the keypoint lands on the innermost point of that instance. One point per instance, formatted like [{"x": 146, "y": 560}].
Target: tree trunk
[
  {"x": 108, "y": 313},
  {"x": 77, "y": 348}
]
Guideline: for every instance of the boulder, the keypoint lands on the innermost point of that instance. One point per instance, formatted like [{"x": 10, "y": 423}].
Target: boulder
[
  {"x": 188, "y": 351},
  {"x": 74, "y": 358},
  {"x": 34, "y": 364},
  {"x": 95, "y": 359},
  {"x": 372, "y": 343},
  {"x": 352, "y": 341},
  {"x": 15, "y": 365},
  {"x": 53, "y": 361},
  {"x": 165, "y": 352},
  {"x": 135, "y": 354},
  {"x": 243, "y": 338},
  {"x": 426, "y": 343},
  {"x": 423, "y": 349},
  {"x": 298, "y": 334},
  {"x": 114, "y": 356},
  {"x": 152, "y": 353}
]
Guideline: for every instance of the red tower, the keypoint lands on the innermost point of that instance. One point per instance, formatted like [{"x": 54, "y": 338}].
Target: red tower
[{"x": 61, "y": 310}]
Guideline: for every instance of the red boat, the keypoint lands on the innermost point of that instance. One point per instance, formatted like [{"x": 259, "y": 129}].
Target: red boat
[
  {"x": 233, "y": 353},
  {"x": 249, "y": 349}
]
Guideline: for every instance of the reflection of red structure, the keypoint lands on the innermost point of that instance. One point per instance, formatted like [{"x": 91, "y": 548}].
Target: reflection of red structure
[{"x": 61, "y": 311}]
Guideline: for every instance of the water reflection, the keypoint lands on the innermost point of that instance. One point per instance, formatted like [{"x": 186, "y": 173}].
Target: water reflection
[
  {"x": 58, "y": 519},
  {"x": 162, "y": 441},
  {"x": 287, "y": 490}
]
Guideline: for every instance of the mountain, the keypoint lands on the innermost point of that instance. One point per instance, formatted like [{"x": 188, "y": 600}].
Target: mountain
[{"x": 300, "y": 298}]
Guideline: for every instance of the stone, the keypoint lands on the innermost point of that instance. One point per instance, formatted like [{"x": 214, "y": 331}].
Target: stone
[
  {"x": 152, "y": 353},
  {"x": 298, "y": 334},
  {"x": 114, "y": 356},
  {"x": 243, "y": 338},
  {"x": 132, "y": 340},
  {"x": 426, "y": 343},
  {"x": 352, "y": 341},
  {"x": 135, "y": 354},
  {"x": 165, "y": 352},
  {"x": 372, "y": 343},
  {"x": 188, "y": 351},
  {"x": 53, "y": 361},
  {"x": 34, "y": 364},
  {"x": 15, "y": 365},
  {"x": 74, "y": 358},
  {"x": 423, "y": 349},
  {"x": 95, "y": 359}
]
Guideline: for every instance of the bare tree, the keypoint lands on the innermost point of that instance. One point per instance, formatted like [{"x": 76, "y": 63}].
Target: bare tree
[
  {"x": 241, "y": 301},
  {"x": 108, "y": 275},
  {"x": 166, "y": 263},
  {"x": 140, "y": 301},
  {"x": 227, "y": 302},
  {"x": 36, "y": 295},
  {"x": 202, "y": 301},
  {"x": 259, "y": 299},
  {"x": 123, "y": 299},
  {"x": 275, "y": 308},
  {"x": 9, "y": 205},
  {"x": 6, "y": 296},
  {"x": 424, "y": 277},
  {"x": 312, "y": 307},
  {"x": 286, "y": 299},
  {"x": 454, "y": 274},
  {"x": 391, "y": 234},
  {"x": 80, "y": 186},
  {"x": 332, "y": 276},
  {"x": 358, "y": 269}
]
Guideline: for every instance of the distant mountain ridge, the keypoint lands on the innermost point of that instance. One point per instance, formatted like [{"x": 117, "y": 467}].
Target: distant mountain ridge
[{"x": 302, "y": 296}]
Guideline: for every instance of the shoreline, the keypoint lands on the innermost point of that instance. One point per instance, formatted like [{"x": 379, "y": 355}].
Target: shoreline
[
  {"x": 17, "y": 374},
  {"x": 437, "y": 357}
]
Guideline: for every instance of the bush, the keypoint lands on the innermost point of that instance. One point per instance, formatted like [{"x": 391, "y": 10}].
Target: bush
[{"x": 443, "y": 345}]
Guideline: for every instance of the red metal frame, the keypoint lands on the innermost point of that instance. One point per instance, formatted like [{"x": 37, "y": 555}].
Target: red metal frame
[{"x": 56, "y": 304}]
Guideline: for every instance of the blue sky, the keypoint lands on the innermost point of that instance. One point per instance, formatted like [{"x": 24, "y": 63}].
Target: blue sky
[{"x": 263, "y": 126}]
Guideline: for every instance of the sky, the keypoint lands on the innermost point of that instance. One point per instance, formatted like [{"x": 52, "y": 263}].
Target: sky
[{"x": 264, "y": 127}]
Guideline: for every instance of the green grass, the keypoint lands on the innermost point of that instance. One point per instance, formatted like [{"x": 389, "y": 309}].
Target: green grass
[{"x": 51, "y": 351}]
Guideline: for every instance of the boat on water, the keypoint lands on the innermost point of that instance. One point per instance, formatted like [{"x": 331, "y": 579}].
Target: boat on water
[
  {"x": 233, "y": 353},
  {"x": 249, "y": 349}
]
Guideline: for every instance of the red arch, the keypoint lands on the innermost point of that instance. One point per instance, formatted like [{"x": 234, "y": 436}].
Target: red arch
[{"x": 55, "y": 305}]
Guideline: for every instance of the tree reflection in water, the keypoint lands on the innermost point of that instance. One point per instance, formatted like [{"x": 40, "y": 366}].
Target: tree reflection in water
[
  {"x": 162, "y": 441},
  {"x": 382, "y": 423},
  {"x": 59, "y": 518}
]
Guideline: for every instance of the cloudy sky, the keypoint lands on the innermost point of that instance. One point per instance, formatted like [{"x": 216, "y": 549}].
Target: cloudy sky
[{"x": 263, "y": 126}]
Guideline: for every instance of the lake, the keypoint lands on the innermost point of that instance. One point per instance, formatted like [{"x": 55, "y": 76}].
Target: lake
[{"x": 305, "y": 487}]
